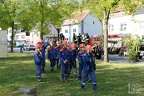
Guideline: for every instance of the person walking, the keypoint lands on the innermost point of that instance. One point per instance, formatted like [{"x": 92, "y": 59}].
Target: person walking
[
  {"x": 79, "y": 56},
  {"x": 64, "y": 61},
  {"x": 73, "y": 56},
  {"x": 88, "y": 68},
  {"x": 38, "y": 61},
  {"x": 52, "y": 56},
  {"x": 44, "y": 46}
]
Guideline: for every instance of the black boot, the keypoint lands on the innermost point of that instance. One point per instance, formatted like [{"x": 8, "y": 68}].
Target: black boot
[
  {"x": 43, "y": 71},
  {"x": 51, "y": 70},
  {"x": 80, "y": 77},
  {"x": 62, "y": 77},
  {"x": 82, "y": 87}
]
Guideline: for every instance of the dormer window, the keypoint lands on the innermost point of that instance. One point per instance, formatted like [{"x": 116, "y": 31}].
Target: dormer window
[
  {"x": 122, "y": 13},
  {"x": 67, "y": 22},
  {"x": 73, "y": 21},
  {"x": 111, "y": 15}
]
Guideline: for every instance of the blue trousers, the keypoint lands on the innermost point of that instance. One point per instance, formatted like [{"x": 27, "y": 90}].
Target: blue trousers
[
  {"x": 38, "y": 71},
  {"x": 73, "y": 65},
  {"x": 57, "y": 63},
  {"x": 65, "y": 69},
  {"x": 43, "y": 62},
  {"x": 52, "y": 63},
  {"x": 93, "y": 76},
  {"x": 80, "y": 70},
  {"x": 21, "y": 51}
]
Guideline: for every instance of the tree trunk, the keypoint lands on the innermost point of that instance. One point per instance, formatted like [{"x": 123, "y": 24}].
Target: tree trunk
[
  {"x": 58, "y": 30},
  {"x": 105, "y": 30},
  {"x": 12, "y": 37},
  {"x": 42, "y": 20}
]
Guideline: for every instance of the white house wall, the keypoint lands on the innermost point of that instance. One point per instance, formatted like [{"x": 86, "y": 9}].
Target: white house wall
[
  {"x": 76, "y": 27},
  {"x": 134, "y": 25},
  {"x": 34, "y": 37},
  {"x": 90, "y": 28},
  {"x": 66, "y": 34}
]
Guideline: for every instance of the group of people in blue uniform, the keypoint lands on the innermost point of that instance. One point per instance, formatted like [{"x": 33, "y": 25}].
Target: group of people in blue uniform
[{"x": 64, "y": 55}]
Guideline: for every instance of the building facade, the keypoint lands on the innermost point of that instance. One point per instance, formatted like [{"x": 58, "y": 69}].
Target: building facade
[
  {"x": 122, "y": 24},
  {"x": 81, "y": 22}
]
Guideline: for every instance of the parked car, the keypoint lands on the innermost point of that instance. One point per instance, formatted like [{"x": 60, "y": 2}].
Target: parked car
[
  {"x": 141, "y": 51},
  {"x": 29, "y": 47}
]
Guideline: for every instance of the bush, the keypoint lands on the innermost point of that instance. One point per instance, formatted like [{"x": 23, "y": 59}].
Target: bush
[{"x": 132, "y": 43}]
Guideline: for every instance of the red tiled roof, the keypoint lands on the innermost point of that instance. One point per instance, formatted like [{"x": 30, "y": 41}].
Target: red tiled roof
[{"x": 79, "y": 16}]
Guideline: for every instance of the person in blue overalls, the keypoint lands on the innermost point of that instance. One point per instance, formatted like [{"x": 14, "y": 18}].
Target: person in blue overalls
[
  {"x": 73, "y": 55},
  {"x": 52, "y": 55},
  {"x": 44, "y": 46},
  {"x": 79, "y": 56},
  {"x": 58, "y": 47},
  {"x": 88, "y": 68},
  {"x": 64, "y": 61},
  {"x": 38, "y": 61}
]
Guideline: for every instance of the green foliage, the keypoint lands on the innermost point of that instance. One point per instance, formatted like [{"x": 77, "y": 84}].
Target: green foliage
[
  {"x": 41, "y": 13},
  {"x": 9, "y": 10},
  {"x": 133, "y": 43}
]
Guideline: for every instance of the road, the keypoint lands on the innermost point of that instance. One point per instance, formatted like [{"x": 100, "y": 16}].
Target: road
[
  {"x": 17, "y": 49},
  {"x": 112, "y": 57},
  {"x": 122, "y": 59}
]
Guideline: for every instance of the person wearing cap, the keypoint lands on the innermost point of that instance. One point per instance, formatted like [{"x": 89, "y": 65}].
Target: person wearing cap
[
  {"x": 52, "y": 55},
  {"x": 64, "y": 61},
  {"x": 79, "y": 56},
  {"x": 38, "y": 61},
  {"x": 44, "y": 46},
  {"x": 88, "y": 68},
  {"x": 73, "y": 56}
]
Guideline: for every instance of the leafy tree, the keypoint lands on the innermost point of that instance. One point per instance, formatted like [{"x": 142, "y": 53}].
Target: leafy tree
[
  {"x": 103, "y": 9},
  {"x": 133, "y": 43},
  {"x": 8, "y": 16},
  {"x": 41, "y": 13}
]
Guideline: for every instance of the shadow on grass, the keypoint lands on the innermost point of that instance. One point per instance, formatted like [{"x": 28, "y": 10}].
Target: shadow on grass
[
  {"x": 18, "y": 57},
  {"x": 112, "y": 79}
]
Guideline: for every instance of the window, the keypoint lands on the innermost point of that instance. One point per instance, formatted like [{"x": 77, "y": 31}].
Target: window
[
  {"x": 27, "y": 34},
  {"x": 93, "y": 22},
  {"x": 123, "y": 27},
  {"x": 111, "y": 27},
  {"x": 74, "y": 30},
  {"x": 22, "y": 36},
  {"x": 141, "y": 24},
  {"x": 66, "y": 31},
  {"x": 17, "y": 36},
  {"x": 142, "y": 37},
  {"x": 111, "y": 15},
  {"x": 22, "y": 30},
  {"x": 73, "y": 21},
  {"x": 67, "y": 22}
]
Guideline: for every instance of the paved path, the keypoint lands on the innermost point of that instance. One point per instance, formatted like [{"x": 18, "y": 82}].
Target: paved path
[
  {"x": 122, "y": 59},
  {"x": 112, "y": 57}
]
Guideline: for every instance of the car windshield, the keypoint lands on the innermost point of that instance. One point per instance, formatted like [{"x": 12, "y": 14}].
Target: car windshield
[
  {"x": 26, "y": 45},
  {"x": 31, "y": 45}
]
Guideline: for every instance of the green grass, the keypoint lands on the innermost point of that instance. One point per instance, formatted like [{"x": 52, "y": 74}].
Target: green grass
[{"x": 113, "y": 79}]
